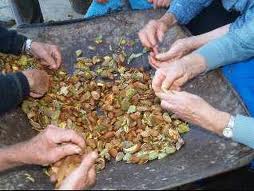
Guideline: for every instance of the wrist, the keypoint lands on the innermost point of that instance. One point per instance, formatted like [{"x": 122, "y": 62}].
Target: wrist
[
  {"x": 168, "y": 20},
  {"x": 29, "y": 78},
  {"x": 15, "y": 155},
  {"x": 219, "y": 121},
  {"x": 196, "y": 42},
  {"x": 194, "y": 64}
]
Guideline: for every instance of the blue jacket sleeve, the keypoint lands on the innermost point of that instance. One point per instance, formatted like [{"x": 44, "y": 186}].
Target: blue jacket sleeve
[
  {"x": 237, "y": 45},
  {"x": 243, "y": 131},
  {"x": 186, "y": 10}
]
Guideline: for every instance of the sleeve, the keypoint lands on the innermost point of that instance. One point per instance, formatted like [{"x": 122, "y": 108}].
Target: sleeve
[
  {"x": 237, "y": 45},
  {"x": 243, "y": 131},
  {"x": 186, "y": 10},
  {"x": 14, "y": 89},
  {"x": 11, "y": 41}
]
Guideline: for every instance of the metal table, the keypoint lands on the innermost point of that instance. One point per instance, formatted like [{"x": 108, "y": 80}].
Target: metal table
[{"x": 204, "y": 154}]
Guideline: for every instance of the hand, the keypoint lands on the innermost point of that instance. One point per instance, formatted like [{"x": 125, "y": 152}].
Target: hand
[
  {"x": 38, "y": 81},
  {"x": 52, "y": 145},
  {"x": 84, "y": 176},
  {"x": 171, "y": 76},
  {"x": 160, "y": 3},
  {"x": 178, "y": 49},
  {"x": 48, "y": 54},
  {"x": 102, "y": 1},
  {"x": 194, "y": 109},
  {"x": 155, "y": 30}
]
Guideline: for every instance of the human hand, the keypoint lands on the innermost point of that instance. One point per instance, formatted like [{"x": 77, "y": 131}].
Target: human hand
[
  {"x": 49, "y": 55},
  {"x": 160, "y": 3},
  {"x": 155, "y": 30},
  {"x": 171, "y": 76},
  {"x": 53, "y": 144},
  {"x": 38, "y": 81},
  {"x": 194, "y": 109},
  {"x": 177, "y": 50},
  {"x": 82, "y": 177}
]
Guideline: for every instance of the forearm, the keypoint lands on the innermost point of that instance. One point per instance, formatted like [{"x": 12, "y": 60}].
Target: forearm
[
  {"x": 231, "y": 48},
  {"x": 12, "y": 156},
  {"x": 11, "y": 41},
  {"x": 168, "y": 19},
  {"x": 201, "y": 40}
]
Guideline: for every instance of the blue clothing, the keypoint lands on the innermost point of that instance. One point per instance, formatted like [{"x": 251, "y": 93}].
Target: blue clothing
[
  {"x": 241, "y": 76},
  {"x": 235, "y": 46},
  {"x": 100, "y": 9}
]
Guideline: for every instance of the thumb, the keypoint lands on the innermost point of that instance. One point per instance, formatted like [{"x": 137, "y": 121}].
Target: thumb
[
  {"x": 88, "y": 161},
  {"x": 66, "y": 150}
]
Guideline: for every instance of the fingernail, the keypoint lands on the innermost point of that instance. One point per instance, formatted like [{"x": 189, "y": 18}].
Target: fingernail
[
  {"x": 94, "y": 155},
  {"x": 78, "y": 150}
]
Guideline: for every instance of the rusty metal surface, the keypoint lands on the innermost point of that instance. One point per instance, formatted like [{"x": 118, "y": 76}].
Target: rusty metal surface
[{"x": 204, "y": 154}]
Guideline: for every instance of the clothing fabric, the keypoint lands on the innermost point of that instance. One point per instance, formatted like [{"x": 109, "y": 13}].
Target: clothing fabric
[{"x": 13, "y": 87}]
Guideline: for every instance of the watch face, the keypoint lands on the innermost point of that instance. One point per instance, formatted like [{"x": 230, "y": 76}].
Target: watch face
[{"x": 228, "y": 132}]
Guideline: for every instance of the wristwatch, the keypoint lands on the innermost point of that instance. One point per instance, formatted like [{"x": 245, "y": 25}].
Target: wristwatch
[
  {"x": 27, "y": 47},
  {"x": 228, "y": 130}
]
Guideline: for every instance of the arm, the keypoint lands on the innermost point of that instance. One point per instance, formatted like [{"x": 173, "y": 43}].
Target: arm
[
  {"x": 186, "y": 10},
  {"x": 235, "y": 46},
  {"x": 46, "y": 148},
  {"x": 11, "y": 41},
  {"x": 17, "y": 86},
  {"x": 14, "y": 89},
  {"x": 184, "y": 46},
  {"x": 201, "y": 40},
  {"x": 12, "y": 156}
]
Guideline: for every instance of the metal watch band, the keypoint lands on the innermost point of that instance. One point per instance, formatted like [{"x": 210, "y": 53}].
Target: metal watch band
[
  {"x": 228, "y": 131},
  {"x": 28, "y": 46}
]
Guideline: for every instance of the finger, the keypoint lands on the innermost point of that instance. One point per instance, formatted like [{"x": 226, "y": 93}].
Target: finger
[
  {"x": 152, "y": 62},
  {"x": 48, "y": 60},
  {"x": 91, "y": 177},
  {"x": 65, "y": 136},
  {"x": 57, "y": 56},
  {"x": 167, "y": 105},
  {"x": 155, "y": 50},
  {"x": 169, "y": 80},
  {"x": 155, "y": 4},
  {"x": 35, "y": 95},
  {"x": 180, "y": 82},
  {"x": 160, "y": 34},
  {"x": 165, "y": 56},
  {"x": 158, "y": 80},
  {"x": 53, "y": 178},
  {"x": 151, "y": 35},
  {"x": 66, "y": 150},
  {"x": 166, "y": 3},
  {"x": 160, "y": 3},
  {"x": 144, "y": 40},
  {"x": 88, "y": 161}
]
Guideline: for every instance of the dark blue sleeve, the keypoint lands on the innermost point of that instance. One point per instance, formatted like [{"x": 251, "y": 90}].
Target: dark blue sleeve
[
  {"x": 11, "y": 41},
  {"x": 14, "y": 89}
]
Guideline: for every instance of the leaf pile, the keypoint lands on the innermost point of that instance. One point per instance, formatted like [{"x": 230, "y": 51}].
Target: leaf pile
[{"x": 113, "y": 107}]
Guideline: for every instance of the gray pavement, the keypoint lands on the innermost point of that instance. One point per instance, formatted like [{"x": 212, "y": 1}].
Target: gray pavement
[{"x": 53, "y": 10}]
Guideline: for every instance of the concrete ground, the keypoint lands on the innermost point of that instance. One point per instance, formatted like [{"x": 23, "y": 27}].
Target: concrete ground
[{"x": 56, "y": 10}]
